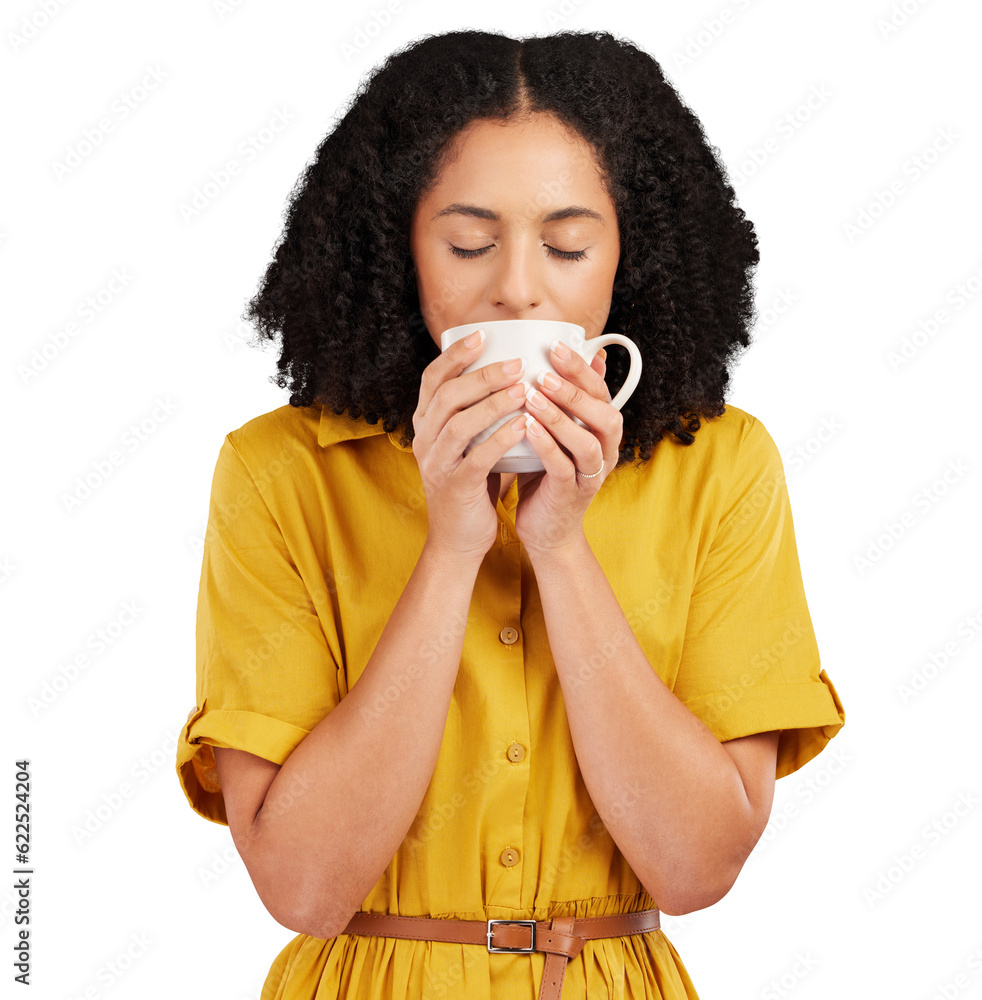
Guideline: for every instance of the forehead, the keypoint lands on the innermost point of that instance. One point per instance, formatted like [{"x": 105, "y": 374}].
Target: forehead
[{"x": 491, "y": 163}]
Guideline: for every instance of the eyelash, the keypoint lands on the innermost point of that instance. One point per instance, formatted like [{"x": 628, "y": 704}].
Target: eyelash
[{"x": 561, "y": 254}]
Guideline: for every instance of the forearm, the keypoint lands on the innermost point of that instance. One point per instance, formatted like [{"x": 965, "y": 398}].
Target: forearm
[
  {"x": 366, "y": 765},
  {"x": 669, "y": 794}
]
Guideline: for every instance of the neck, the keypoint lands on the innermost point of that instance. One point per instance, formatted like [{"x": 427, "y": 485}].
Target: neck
[{"x": 507, "y": 478}]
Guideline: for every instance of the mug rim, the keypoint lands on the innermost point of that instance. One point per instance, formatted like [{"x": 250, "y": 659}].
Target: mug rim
[{"x": 480, "y": 325}]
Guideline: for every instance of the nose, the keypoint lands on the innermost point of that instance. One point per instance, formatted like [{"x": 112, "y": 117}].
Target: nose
[{"x": 517, "y": 280}]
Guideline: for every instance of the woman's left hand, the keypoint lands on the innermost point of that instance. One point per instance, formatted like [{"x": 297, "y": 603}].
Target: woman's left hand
[{"x": 552, "y": 503}]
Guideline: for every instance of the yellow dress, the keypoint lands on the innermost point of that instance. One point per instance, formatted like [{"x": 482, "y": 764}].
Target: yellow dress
[{"x": 315, "y": 524}]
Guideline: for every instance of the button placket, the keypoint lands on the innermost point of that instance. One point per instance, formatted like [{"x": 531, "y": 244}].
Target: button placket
[{"x": 507, "y": 790}]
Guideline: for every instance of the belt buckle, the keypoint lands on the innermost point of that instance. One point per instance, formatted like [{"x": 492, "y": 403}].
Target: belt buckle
[{"x": 516, "y": 951}]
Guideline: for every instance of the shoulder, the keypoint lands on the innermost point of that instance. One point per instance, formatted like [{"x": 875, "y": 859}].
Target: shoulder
[
  {"x": 279, "y": 435},
  {"x": 266, "y": 446},
  {"x": 734, "y": 443},
  {"x": 731, "y": 457},
  {"x": 747, "y": 466},
  {"x": 729, "y": 429}
]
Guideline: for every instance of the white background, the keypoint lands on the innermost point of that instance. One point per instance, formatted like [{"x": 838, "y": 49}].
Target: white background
[{"x": 818, "y": 111}]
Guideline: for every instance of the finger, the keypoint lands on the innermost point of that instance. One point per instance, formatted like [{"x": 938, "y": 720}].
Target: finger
[
  {"x": 458, "y": 394},
  {"x": 573, "y": 367},
  {"x": 599, "y": 364},
  {"x": 461, "y": 391},
  {"x": 584, "y": 447},
  {"x": 555, "y": 462},
  {"x": 476, "y": 464},
  {"x": 446, "y": 365},
  {"x": 568, "y": 398},
  {"x": 589, "y": 445},
  {"x": 460, "y": 427}
]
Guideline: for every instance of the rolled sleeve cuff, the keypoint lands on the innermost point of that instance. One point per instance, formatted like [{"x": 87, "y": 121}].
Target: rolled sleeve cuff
[
  {"x": 808, "y": 715},
  {"x": 262, "y": 735}
]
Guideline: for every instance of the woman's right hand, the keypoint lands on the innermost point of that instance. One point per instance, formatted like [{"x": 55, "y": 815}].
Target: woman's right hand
[{"x": 461, "y": 493}]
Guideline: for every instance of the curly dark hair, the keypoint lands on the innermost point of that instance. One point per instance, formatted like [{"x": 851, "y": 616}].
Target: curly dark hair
[{"x": 343, "y": 275}]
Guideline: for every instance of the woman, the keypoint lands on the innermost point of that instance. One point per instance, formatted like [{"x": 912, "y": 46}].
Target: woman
[{"x": 428, "y": 690}]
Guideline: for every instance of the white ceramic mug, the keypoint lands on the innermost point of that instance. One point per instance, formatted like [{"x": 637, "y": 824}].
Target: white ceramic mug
[{"x": 531, "y": 338}]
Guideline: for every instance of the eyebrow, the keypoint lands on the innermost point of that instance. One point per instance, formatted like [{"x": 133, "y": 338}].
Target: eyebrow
[{"x": 559, "y": 215}]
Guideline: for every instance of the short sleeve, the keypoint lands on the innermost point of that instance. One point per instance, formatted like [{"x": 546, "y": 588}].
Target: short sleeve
[
  {"x": 750, "y": 661},
  {"x": 265, "y": 675}
]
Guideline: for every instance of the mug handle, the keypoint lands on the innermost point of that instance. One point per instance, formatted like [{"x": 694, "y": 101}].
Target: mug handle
[{"x": 590, "y": 348}]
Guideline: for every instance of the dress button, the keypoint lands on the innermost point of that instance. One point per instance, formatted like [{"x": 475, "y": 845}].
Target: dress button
[
  {"x": 509, "y": 857},
  {"x": 508, "y": 635},
  {"x": 516, "y": 752}
]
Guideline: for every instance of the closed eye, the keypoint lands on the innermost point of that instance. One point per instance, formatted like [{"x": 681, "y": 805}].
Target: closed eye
[{"x": 561, "y": 254}]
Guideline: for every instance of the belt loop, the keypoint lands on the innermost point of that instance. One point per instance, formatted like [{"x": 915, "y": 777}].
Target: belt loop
[{"x": 555, "y": 968}]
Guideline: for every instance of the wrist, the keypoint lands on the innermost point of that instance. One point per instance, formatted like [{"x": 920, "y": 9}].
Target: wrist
[
  {"x": 450, "y": 561},
  {"x": 568, "y": 553}
]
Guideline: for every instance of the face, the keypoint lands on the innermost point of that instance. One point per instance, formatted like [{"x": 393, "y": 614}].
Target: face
[{"x": 518, "y": 226}]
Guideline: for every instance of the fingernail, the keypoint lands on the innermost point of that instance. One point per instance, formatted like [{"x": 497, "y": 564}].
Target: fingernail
[
  {"x": 533, "y": 425},
  {"x": 562, "y": 351},
  {"x": 548, "y": 380},
  {"x": 474, "y": 339}
]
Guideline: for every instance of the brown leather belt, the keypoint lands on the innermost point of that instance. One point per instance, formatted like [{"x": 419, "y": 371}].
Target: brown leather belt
[{"x": 555, "y": 937}]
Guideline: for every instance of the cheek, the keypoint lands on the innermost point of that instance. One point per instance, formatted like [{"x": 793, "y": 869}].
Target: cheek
[
  {"x": 422, "y": 255},
  {"x": 587, "y": 298},
  {"x": 441, "y": 293},
  {"x": 428, "y": 276},
  {"x": 590, "y": 285}
]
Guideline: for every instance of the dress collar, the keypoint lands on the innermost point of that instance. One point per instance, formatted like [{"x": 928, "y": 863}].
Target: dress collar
[{"x": 334, "y": 428}]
